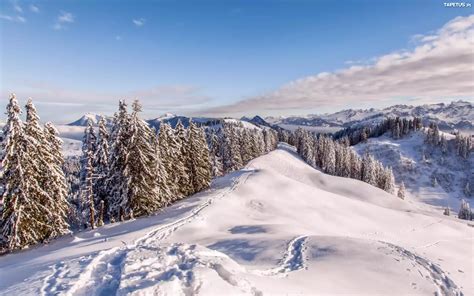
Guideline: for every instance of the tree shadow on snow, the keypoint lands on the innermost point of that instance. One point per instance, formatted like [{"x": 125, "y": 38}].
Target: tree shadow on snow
[{"x": 247, "y": 229}]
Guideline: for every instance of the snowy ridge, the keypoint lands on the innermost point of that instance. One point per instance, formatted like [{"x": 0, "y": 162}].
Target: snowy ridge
[{"x": 278, "y": 226}]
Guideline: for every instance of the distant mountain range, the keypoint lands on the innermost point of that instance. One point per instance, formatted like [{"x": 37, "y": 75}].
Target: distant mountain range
[
  {"x": 173, "y": 119},
  {"x": 455, "y": 115}
]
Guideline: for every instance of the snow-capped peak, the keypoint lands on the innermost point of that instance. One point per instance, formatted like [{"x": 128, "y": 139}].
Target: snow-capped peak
[{"x": 93, "y": 117}]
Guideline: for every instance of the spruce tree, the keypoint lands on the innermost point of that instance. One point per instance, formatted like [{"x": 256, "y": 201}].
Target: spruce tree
[
  {"x": 88, "y": 194},
  {"x": 47, "y": 171},
  {"x": 162, "y": 176},
  {"x": 368, "y": 170},
  {"x": 89, "y": 142},
  {"x": 143, "y": 195},
  {"x": 231, "y": 151},
  {"x": 465, "y": 211},
  {"x": 101, "y": 166},
  {"x": 389, "y": 184},
  {"x": 401, "y": 191},
  {"x": 200, "y": 165},
  {"x": 168, "y": 154},
  {"x": 118, "y": 173},
  {"x": 216, "y": 154},
  {"x": 57, "y": 184},
  {"x": 30, "y": 214},
  {"x": 184, "y": 169}
]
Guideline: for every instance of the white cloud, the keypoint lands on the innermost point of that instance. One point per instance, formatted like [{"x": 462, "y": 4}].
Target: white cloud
[
  {"x": 17, "y": 8},
  {"x": 139, "y": 22},
  {"x": 63, "y": 19},
  {"x": 66, "y": 17},
  {"x": 439, "y": 66},
  {"x": 15, "y": 19},
  {"x": 118, "y": 38},
  {"x": 163, "y": 97},
  {"x": 34, "y": 8}
]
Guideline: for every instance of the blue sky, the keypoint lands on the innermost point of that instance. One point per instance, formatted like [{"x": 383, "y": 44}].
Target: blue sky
[{"x": 198, "y": 57}]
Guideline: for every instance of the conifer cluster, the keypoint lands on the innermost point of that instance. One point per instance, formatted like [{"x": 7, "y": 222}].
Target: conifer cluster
[
  {"x": 34, "y": 200},
  {"x": 334, "y": 157}
]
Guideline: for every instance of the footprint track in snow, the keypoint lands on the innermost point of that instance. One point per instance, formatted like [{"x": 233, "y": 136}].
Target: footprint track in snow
[
  {"x": 293, "y": 259},
  {"x": 429, "y": 270},
  {"x": 101, "y": 276}
]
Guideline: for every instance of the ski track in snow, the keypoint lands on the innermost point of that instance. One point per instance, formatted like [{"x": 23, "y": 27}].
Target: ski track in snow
[
  {"x": 102, "y": 275},
  {"x": 444, "y": 285},
  {"x": 293, "y": 259}
]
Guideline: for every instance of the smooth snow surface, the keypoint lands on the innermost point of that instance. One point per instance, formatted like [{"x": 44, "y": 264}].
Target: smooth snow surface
[{"x": 276, "y": 227}]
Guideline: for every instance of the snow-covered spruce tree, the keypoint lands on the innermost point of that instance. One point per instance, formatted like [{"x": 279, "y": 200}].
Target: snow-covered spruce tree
[
  {"x": 328, "y": 156},
  {"x": 346, "y": 162},
  {"x": 465, "y": 211},
  {"x": 48, "y": 172},
  {"x": 355, "y": 166},
  {"x": 34, "y": 131},
  {"x": 245, "y": 145},
  {"x": 216, "y": 154},
  {"x": 143, "y": 194},
  {"x": 118, "y": 180},
  {"x": 87, "y": 192},
  {"x": 231, "y": 151},
  {"x": 56, "y": 182},
  {"x": 200, "y": 169},
  {"x": 368, "y": 170},
  {"x": 259, "y": 143},
  {"x": 401, "y": 191},
  {"x": 28, "y": 214},
  {"x": 101, "y": 167},
  {"x": 162, "y": 178},
  {"x": 463, "y": 145},
  {"x": 168, "y": 151},
  {"x": 22, "y": 222},
  {"x": 389, "y": 180},
  {"x": 267, "y": 136},
  {"x": 89, "y": 142},
  {"x": 184, "y": 185},
  {"x": 88, "y": 195}
]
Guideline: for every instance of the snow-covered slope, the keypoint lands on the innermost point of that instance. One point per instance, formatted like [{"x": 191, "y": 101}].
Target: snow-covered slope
[
  {"x": 405, "y": 156},
  {"x": 456, "y": 115},
  {"x": 276, "y": 227}
]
